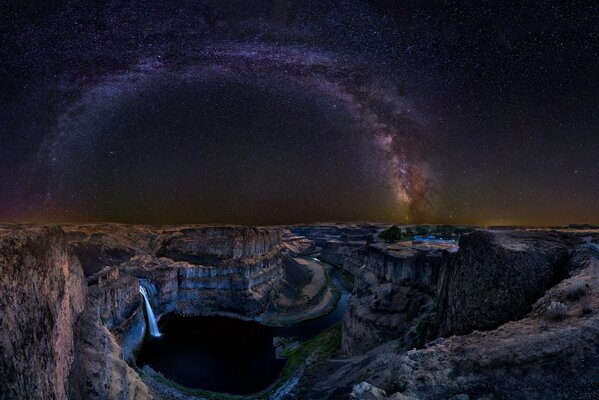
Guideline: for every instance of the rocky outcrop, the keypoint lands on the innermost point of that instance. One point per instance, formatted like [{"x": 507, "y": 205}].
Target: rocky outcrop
[
  {"x": 100, "y": 245},
  {"x": 100, "y": 370},
  {"x": 240, "y": 289},
  {"x": 405, "y": 263},
  {"x": 216, "y": 245},
  {"x": 43, "y": 292},
  {"x": 495, "y": 277},
  {"x": 297, "y": 246},
  {"x": 355, "y": 260},
  {"x": 538, "y": 356},
  {"x": 335, "y": 252},
  {"x": 392, "y": 292},
  {"x": 381, "y": 311},
  {"x": 365, "y": 391},
  {"x": 498, "y": 292}
]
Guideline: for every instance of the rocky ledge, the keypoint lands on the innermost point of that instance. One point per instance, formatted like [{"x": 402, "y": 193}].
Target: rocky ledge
[{"x": 511, "y": 315}]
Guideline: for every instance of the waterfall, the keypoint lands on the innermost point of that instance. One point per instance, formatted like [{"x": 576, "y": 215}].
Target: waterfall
[{"x": 152, "y": 325}]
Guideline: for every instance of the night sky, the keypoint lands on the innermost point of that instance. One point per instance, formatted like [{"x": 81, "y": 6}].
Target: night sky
[{"x": 278, "y": 112}]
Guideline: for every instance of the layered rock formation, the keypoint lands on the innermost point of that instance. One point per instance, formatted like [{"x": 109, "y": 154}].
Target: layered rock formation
[
  {"x": 525, "y": 305},
  {"x": 393, "y": 290},
  {"x": 505, "y": 284},
  {"x": 43, "y": 292},
  {"x": 81, "y": 338}
]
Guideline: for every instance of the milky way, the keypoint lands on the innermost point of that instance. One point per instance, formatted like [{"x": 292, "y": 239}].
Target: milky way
[
  {"x": 321, "y": 75},
  {"x": 284, "y": 112}
]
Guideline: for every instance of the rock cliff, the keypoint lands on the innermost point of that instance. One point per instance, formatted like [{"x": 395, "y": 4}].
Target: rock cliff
[
  {"x": 525, "y": 305},
  {"x": 496, "y": 277},
  {"x": 392, "y": 292},
  {"x": 43, "y": 292},
  {"x": 529, "y": 349},
  {"x": 81, "y": 338}
]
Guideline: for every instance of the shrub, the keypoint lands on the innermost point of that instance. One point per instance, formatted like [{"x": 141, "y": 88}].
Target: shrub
[
  {"x": 393, "y": 234},
  {"x": 557, "y": 310},
  {"x": 586, "y": 307},
  {"x": 421, "y": 332},
  {"x": 576, "y": 290},
  {"x": 422, "y": 230}
]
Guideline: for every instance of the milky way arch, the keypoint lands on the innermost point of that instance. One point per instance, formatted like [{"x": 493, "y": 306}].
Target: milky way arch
[{"x": 375, "y": 107}]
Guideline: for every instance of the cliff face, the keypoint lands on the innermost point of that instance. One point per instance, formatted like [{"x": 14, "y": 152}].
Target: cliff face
[
  {"x": 335, "y": 252},
  {"x": 212, "y": 245},
  {"x": 391, "y": 292},
  {"x": 61, "y": 338},
  {"x": 240, "y": 289},
  {"x": 80, "y": 336},
  {"x": 99, "y": 369},
  {"x": 540, "y": 356},
  {"x": 211, "y": 270},
  {"x": 405, "y": 264},
  {"x": 191, "y": 270},
  {"x": 505, "y": 284},
  {"x": 496, "y": 277},
  {"x": 43, "y": 292}
]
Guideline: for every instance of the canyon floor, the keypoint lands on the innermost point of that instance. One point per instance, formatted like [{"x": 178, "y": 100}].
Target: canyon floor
[{"x": 482, "y": 314}]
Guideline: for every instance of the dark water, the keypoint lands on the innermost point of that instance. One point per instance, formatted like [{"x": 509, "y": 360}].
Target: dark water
[
  {"x": 226, "y": 354},
  {"x": 214, "y": 353}
]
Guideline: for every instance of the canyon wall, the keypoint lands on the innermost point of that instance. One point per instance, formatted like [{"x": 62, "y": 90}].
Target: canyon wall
[
  {"x": 415, "y": 293},
  {"x": 80, "y": 336},
  {"x": 43, "y": 293},
  {"x": 496, "y": 277},
  {"x": 78, "y": 325},
  {"x": 392, "y": 291},
  {"x": 212, "y": 271},
  {"x": 489, "y": 329}
]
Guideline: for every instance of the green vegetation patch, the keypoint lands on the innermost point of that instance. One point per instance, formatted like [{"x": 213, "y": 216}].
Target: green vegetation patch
[
  {"x": 395, "y": 234},
  {"x": 346, "y": 279},
  {"x": 315, "y": 350},
  {"x": 421, "y": 332}
]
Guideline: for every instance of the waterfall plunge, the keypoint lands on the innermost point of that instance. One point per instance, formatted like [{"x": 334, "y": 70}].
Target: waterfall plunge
[{"x": 152, "y": 325}]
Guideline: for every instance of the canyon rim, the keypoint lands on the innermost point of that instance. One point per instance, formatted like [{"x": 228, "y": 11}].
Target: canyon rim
[{"x": 299, "y": 199}]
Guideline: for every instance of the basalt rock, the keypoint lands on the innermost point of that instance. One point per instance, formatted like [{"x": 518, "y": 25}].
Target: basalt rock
[
  {"x": 535, "y": 355},
  {"x": 43, "y": 292},
  {"x": 335, "y": 252},
  {"x": 496, "y": 277},
  {"x": 392, "y": 293},
  {"x": 80, "y": 338},
  {"x": 215, "y": 245}
]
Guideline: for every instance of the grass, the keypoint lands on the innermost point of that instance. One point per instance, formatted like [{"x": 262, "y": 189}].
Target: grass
[
  {"x": 576, "y": 290},
  {"x": 421, "y": 332},
  {"x": 346, "y": 279},
  {"x": 319, "y": 349},
  {"x": 557, "y": 311}
]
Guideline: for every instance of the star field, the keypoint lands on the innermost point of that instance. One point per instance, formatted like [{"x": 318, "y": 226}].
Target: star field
[{"x": 300, "y": 111}]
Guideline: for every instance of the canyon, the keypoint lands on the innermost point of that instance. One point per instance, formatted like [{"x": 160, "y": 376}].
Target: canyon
[{"x": 489, "y": 314}]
